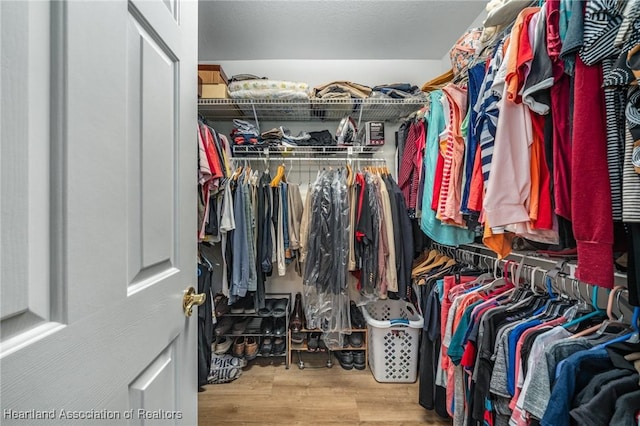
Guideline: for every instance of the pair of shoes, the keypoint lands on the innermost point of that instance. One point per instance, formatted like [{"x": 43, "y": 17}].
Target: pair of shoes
[
  {"x": 222, "y": 345},
  {"x": 240, "y": 325},
  {"x": 358, "y": 360},
  {"x": 246, "y": 347},
  {"x": 243, "y": 306},
  {"x": 223, "y": 326},
  {"x": 275, "y": 346},
  {"x": 296, "y": 320},
  {"x": 357, "y": 318},
  {"x": 355, "y": 340},
  {"x": 274, "y": 308},
  {"x": 345, "y": 358},
  {"x": 315, "y": 343},
  {"x": 275, "y": 326}
]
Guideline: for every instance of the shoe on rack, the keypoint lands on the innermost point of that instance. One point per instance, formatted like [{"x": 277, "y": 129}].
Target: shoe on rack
[
  {"x": 222, "y": 345},
  {"x": 322, "y": 346},
  {"x": 278, "y": 346},
  {"x": 312, "y": 342},
  {"x": 238, "y": 347},
  {"x": 345, "y": 358},
  {"x": 280, "y": 326},
  {"x": 238, "y": 307},
  {"x": 268, "y": 308},
  {"x": 280, "y": 308},
  {"x": 266, "y": 327},
  {"x": 358, "y": 360},
  {"x": 240, "y": 326},
  {"x": 355, "y": 340},
  {"x": 221, "y": 305},
  {"x": 297, "y": 338},
  {"x": 267, "y": 346},
  {"x": 251, "y": 348},
  {"x": 249, "y": 306},
  {"x": 223, "y": 326},
  {"x": 357, "y": 318},
  {"x": 296, "y": 321}
]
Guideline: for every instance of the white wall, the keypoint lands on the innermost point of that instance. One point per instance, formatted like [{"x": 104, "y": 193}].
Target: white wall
[{"x": 317, "y": 72}]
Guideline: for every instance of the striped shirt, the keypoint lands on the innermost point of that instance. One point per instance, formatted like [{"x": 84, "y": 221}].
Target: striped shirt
[
  {"x": 487, "y": 113},
  {"x": 631, "y": 179},
  {"x": 614, "y": 109},
  {"x": 602, "y": 21}
]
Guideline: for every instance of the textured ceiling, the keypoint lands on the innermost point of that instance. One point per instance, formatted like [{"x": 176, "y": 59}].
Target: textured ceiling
[{"x": 331, "y": 29}]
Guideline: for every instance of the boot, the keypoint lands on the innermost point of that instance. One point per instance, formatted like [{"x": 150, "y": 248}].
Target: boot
[{"x": 296, "y": 321}]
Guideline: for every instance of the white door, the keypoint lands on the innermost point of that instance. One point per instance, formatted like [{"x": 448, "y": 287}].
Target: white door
[{"x": 98, "y": 212}]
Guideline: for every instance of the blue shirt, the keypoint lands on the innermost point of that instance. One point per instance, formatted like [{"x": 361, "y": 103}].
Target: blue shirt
[{"x": 576, "y": 373}]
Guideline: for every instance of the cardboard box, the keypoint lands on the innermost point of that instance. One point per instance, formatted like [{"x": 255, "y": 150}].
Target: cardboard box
[
  {"x": 199, "y": 87},
  {"x": 212, "y": 74},
  {"x": 215, "y": 91},
  {"x": 374, "y": 133}
]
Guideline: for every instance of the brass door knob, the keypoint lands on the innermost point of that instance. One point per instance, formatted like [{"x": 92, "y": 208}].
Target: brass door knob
[{"x": 190, "y": 299}]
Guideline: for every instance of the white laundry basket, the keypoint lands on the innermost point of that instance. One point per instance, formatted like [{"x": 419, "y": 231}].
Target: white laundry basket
[{"x": 394, "y": 340}]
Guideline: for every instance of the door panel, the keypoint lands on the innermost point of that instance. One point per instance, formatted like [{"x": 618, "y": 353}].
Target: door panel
[
  {"x": 152, "y": 146},
  {"x": 152, "y": 394},
  {"x": 98, "y": 171},
  {"x": 25, "y": 285}
]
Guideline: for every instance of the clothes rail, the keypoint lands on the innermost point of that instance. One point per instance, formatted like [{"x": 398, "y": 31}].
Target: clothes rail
[
  {"x": 536, "y": 268},
  {"x": 316, "y": 159}
]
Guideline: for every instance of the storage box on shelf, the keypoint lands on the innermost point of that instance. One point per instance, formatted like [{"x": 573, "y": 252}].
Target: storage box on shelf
[
  {"x": 214, "y": 82},
  {"x": 253, "y": 328},
  {"x": 299, "y": 348}
]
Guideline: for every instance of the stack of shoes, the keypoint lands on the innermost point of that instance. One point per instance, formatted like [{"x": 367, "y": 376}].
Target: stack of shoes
[{"x": 357, "y": 318}]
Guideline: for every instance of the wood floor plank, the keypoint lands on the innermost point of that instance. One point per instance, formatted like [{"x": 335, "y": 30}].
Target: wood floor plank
[{"x": 271, "y": 395}]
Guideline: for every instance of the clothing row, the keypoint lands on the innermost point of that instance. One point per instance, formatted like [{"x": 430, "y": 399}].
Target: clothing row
[
  {"x": 496, "y": 353},
  {"x": 259, "y": 230},
  {"x": 215, "y": 165},
  {"x": 536, "y": 140},
  {"x": 352, "y": 229}
]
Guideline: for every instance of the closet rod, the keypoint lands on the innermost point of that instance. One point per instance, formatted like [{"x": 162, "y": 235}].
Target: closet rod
[{"x": 317, "y": 159}]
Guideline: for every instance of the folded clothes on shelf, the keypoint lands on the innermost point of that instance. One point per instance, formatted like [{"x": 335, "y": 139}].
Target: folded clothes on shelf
[{"x": 341, "y": 89}]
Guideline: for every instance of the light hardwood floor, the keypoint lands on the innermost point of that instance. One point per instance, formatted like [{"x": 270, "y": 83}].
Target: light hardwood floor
[{"x": 269, "y": 394}]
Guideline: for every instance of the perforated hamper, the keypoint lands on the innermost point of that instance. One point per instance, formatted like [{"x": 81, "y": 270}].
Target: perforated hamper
[{"x": 394, "y": 328}]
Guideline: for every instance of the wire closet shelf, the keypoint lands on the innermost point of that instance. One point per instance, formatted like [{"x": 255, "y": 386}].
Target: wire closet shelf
[{"x": 368, "y": 109}]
